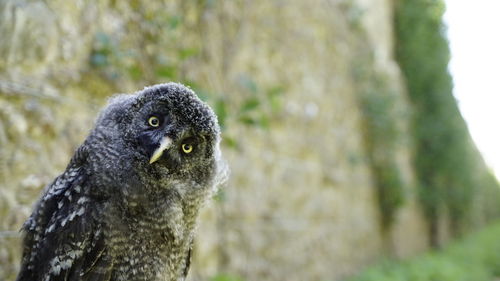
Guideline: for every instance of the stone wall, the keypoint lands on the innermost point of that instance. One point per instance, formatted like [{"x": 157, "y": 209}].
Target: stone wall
[{"x": 300, "y": 203}]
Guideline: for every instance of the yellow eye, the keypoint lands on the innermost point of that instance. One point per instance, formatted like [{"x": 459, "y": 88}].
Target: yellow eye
[
  {"x": 154, "y": 121},
  {"x": 187, "y": 148}
]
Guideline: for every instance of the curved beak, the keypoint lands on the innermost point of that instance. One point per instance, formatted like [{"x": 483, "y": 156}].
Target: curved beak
[{"x": 165, "y": 143}]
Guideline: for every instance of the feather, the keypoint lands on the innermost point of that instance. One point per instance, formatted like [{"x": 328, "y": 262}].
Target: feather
[
  {"x": 114, "y": 214},
  {"x": 62, "y": 241}
]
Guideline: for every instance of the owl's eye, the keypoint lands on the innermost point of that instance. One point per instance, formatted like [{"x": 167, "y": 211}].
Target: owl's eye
[
  {"x": 153, "y": 121},
  {"x": 187, "y": 148}
]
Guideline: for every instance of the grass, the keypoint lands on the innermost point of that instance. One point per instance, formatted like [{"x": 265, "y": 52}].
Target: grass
[{"x": 474, "y": 258}]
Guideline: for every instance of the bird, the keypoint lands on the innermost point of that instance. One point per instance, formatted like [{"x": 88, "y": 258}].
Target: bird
[{"x": 126, "y": 206}]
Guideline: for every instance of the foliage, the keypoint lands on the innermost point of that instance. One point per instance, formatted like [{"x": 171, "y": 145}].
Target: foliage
[
  {"x": 475, "y": 258},
  {"x": 382, "y": 137},
  {"x": 226, "y": 277},
  {"x": 444, "y": 155},
  {"x": 158, "y": 52},
  {"x": 257, "y": 107}
]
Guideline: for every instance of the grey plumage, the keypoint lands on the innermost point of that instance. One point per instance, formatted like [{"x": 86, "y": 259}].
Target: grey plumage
[{"x": 125, "y": 208}]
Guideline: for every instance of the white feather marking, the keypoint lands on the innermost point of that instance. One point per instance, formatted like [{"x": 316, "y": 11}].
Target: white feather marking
[
  {"x": 82, "y": 200},
  {"x": 72, "y": 216},
  {"x": 51, "y": 228}
]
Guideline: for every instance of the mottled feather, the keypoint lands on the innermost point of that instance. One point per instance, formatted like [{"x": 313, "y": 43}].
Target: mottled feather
[{"x": 115, "y": 215}]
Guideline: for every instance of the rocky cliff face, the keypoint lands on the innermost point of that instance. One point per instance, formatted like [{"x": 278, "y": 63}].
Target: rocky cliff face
[{"x": 286, "y": 80}]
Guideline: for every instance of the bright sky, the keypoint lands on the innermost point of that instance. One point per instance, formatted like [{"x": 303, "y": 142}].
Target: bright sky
[{"x": 474, "y": 35}]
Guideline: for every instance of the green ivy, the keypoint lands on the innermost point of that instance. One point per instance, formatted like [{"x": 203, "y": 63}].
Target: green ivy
[
  {"x": 226, "y": 277},
  {"x": 381, "y": 136},
  {"x": 444, "y": 154},
  {"x": 475, "y": 258}
]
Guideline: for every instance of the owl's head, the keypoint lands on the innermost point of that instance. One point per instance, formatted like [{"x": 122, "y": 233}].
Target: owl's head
[{"x": 163, "y": 133}]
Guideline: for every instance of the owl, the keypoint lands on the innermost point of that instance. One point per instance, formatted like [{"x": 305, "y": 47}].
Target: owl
[{"x": 125, "y": 208}]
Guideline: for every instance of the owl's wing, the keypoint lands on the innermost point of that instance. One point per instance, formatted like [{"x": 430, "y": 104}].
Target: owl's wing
[
  {"x": 63, "y": 240},
  {"x": 187, "y": 263}
]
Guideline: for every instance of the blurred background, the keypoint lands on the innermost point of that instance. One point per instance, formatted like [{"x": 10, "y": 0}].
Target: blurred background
[{"x": 347, "y": 149}]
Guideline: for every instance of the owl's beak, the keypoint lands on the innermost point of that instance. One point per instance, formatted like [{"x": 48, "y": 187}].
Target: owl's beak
[{"x": 164, "y": 144}]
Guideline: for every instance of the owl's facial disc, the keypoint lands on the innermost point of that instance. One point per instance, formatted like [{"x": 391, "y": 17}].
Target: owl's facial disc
[{"x": 165, "y": 143}]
